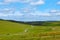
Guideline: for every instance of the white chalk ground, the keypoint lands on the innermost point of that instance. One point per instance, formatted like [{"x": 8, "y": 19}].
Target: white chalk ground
[
  {"x": 26, "y": 30},
  {"x": 32, "y": 26},
  {"x": 20, "y": 33},
  {"x": 53, "y": 28}
]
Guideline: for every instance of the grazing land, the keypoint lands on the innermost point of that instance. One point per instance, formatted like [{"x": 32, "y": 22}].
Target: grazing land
[{"x": 20, "y": 31}]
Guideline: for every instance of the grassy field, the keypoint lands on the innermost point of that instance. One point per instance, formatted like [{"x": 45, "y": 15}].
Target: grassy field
[{"x": 18, "y": 31}]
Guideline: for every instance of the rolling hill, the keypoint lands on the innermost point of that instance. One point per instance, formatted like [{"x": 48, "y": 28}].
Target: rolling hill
[{"x": 13, "y": 30}]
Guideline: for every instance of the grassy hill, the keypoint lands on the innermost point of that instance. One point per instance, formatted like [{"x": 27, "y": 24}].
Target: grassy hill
[
  {"x": 44, "y": 23},
  {"x": 21, "y": 31}
]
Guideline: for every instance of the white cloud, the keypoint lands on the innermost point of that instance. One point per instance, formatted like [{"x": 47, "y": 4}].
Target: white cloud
[
  {"x": 9, "y": 12},
  {"x": 18, "y": 13},
  {"x": 58, "y": 14},
  {"x": 5, "y": 2},
  {"x": 34, "y": 12},
  {"x": 39, "y": 2},
  {"x": 54, "y": 11},
  {"x": 38, "y": 13},
  {"x": 58, "y": 2},
  {"x": 24, "y": 1},
  {"x": 2, "y": 15},
  {"x": 11, "y": 1},
  {"x": 41, "y": 14},
  {"x": 30, "y": 2},
  {"x": 21, "y": 1}
]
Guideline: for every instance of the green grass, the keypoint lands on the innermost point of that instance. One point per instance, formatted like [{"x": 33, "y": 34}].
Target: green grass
[{"x": 15, "y": 31}]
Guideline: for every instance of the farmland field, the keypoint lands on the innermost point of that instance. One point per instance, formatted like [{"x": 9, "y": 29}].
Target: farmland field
[{"x": 19, "y": 31}]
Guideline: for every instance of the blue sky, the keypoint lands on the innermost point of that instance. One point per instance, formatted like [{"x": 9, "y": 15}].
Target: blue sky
[{"x": 30, "y": 10}]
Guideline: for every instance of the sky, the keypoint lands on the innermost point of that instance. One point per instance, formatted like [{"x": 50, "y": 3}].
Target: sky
[{"x": 30, "y": 10}]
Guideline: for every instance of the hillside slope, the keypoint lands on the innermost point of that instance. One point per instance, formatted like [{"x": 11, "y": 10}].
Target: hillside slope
[
  {"x": 19, "y": 31},
  {"x": 6, "y": 26}
]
